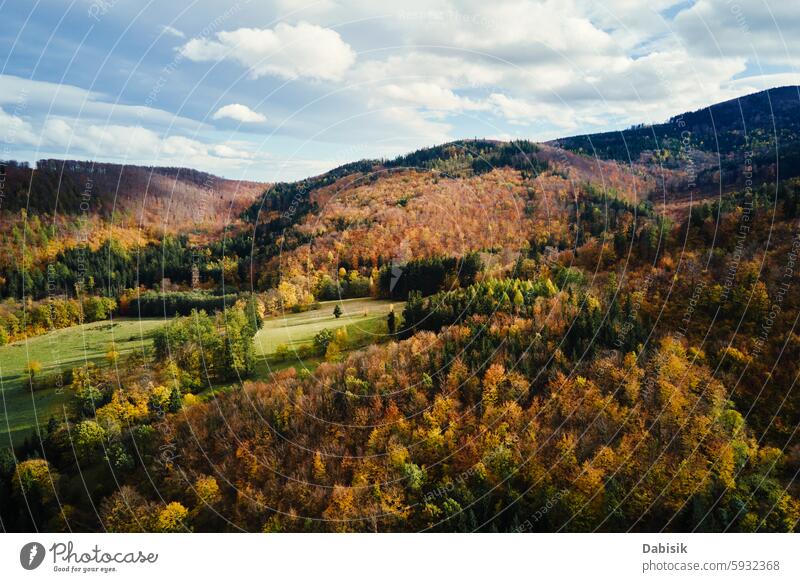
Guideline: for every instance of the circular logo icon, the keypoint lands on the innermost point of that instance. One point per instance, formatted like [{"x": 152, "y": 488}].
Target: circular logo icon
[{"x": 31, "y": 555}]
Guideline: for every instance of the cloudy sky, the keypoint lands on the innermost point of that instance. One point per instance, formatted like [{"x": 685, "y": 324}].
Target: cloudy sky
[{"x": 278, "y": 90}]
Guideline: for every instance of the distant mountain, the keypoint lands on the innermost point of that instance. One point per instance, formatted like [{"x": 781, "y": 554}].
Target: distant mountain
[
  {"x": 706, "y": 148},
  {"x": 447, "y": 200},
  {"x": 170, "y": 198},
  {"x": 756, "y": 121},
  {"x": 715, "y": 138},
  {"x": 439, "y": 200}
]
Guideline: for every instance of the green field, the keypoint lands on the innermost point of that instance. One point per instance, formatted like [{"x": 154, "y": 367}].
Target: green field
[
  {"x": 296, "y": 329},
  {"x": 60, "y": 350}
]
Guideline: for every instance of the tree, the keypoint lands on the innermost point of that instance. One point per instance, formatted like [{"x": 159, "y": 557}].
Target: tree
[
  {"x": 239, "y": 352},
  {"x": 519, "y": 300},
  {"x": 89, "y": 388},
  {"x": 281, "y": 352},
  {"x": 254, "y": 310},
  {"x": 126, "y": 511},
  {"x": 193, "y": 345},
  {"x": 337, "y": 345},
  {"x": 174, "y": 402},
  {"x": 207, "y": 490},
  {"x": 319, "y": 472},
  {"x": 288, "y": 295},
  {"x": 34, "y": 484},
  {"x": 32, "y": 370},
  {"x": 337, "y": 311},
  {"x": 88, "y": 437},
  {"x": 34, "y": 478},
  {"x": 391, "y": 321},
  {"x": 172, "y": 518},
  {"x": 98, "y": 308},
  {"x": 322, "y": 340},
  {"x": 112, "y": 355}
]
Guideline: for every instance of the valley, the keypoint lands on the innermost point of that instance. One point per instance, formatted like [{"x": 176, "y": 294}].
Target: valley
[
  {"x": 56, "y": 353},
  {"x": 447, "y": 340}
]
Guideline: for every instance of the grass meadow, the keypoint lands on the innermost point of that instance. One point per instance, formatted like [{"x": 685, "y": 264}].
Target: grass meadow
[{"x": 22, "y": 409}]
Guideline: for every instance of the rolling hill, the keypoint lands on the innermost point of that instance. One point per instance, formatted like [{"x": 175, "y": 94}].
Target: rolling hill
[
  {"x": 169, "y": 199},
  {"x": 761, "y": 128},
  {"x": 611, "y": 339}
]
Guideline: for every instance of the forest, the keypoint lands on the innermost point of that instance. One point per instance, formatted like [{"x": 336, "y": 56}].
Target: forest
[{"x": 571, "y": 350}]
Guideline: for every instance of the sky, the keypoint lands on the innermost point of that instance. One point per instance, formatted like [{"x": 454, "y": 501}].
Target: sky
[{"x": 280, "y": 90}]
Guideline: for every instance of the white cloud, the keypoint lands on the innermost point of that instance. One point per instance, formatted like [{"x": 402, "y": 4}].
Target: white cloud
[
  {"x": 387, "y": 125},
  {"x": 304, "y": 50},
  {"x": 136, "y": 144},
  {"x": 576, "y": 64},
  {"x": 617, "y": 89},
  {"x": 653, "y": 87},
  {"x": 555, "y": 25},
  {"x": 15, "y": 131},
  {"x": 427, "y": 95},
  {"x": 226, "y": 151},
  {"x": 508, "y": 31},
  {"x": 513, "y": 109},
  {"x": 172, "y": 31},
  {"x": 631, "y": 23},
  {"x": 523, "y": 112},
  {"x": 426, "y": 71},
  {"x": 464, "y": 70},
  {"x": 752, "y": 84},
  {"x": 239, "y": 112},
  {"x": 767, "y": 33},
  {"x": 63, "y": 100}
]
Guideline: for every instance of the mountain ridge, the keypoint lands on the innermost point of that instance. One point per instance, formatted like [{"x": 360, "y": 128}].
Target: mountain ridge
[
  {"x": 155, "y": 196},
  {"x": 660, "y": 145}
]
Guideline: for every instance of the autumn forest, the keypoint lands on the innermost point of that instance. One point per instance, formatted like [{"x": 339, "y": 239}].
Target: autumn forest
[{"x": 597, "y": 333}]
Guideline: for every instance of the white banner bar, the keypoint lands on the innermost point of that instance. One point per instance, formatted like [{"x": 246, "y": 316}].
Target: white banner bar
[{"x": 401, "y": 557}]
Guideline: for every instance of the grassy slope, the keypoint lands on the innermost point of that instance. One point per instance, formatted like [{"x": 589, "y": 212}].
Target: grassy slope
[
  {"x": 68, "y": 348},
  {"x": 64, "y": 349},
  {"x": 295, "y": 329}
]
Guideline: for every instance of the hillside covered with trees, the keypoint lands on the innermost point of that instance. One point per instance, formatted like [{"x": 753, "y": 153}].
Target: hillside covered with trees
[{"x": 568, "y": 352}]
